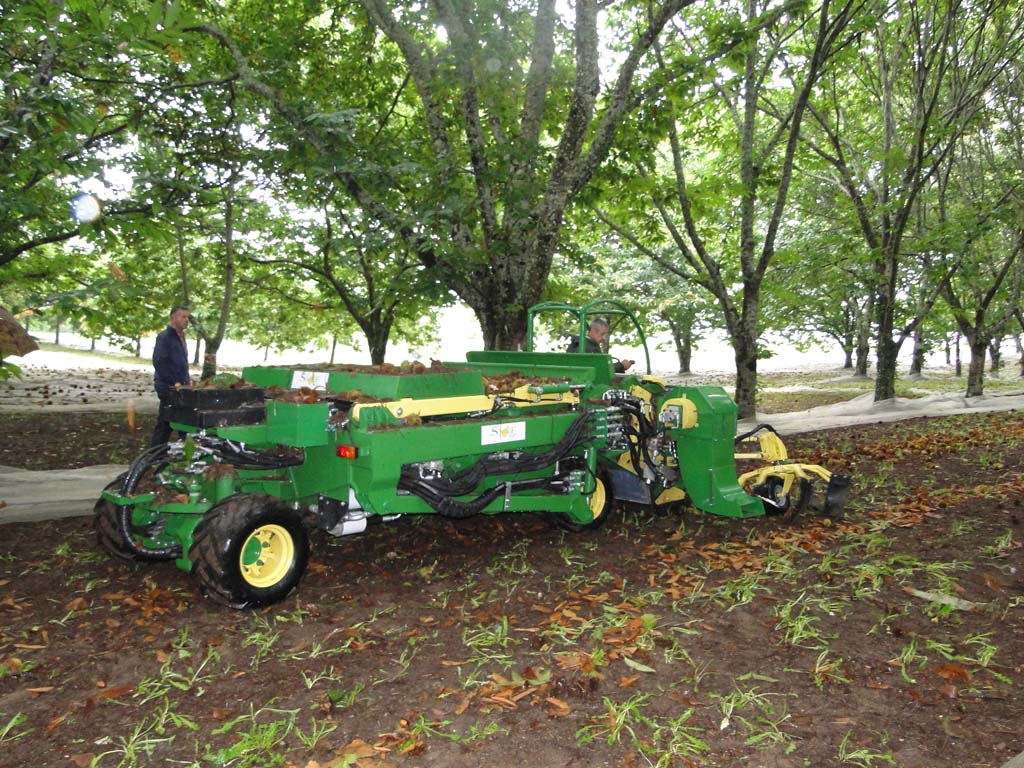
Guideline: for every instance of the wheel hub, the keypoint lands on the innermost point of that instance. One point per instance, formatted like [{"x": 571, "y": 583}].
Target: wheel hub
[{"x": 267, "y": 555}]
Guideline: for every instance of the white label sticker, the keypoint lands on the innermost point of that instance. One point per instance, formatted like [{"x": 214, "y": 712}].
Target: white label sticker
[
  {"x": 311, "y": 379},
  {"x": 507, "y": 432}
]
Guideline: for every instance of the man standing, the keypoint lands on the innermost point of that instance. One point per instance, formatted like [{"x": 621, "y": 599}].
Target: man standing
[
  {"x": 170, "y": 366},
  {"x": 597, "y": 333}
]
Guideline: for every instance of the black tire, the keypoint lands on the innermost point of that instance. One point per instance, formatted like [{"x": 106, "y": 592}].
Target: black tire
[
  {"x": 107, "y": 521},
  {"x": 228, "y": 541},
  {"x": 786, "y": 506},
  {"x": 601, "y": 502}
]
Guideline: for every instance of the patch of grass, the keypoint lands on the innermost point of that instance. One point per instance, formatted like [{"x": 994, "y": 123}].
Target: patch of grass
[
  {"x": 861, "y": 756},
  {"x": 255, "y": 746},
  {"x": 192, "y": 678},
  {"x": 798, "y": 624},
  {"x": 663, "y": 741},
  {"x": 489, "y": 644},
  {"x": 759, "y": 715},
  {"x": 9, "y": 730}
]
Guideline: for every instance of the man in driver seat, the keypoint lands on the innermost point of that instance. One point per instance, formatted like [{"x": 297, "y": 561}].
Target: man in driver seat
[{"x": 596, "y": 336}]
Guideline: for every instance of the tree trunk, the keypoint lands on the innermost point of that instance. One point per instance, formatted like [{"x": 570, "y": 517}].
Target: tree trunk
[
  {"x": 995, "y": 352},
  {"x": 334, "y": 346},
  {"x": 920, "y": 349},
  {"x": 209, "y": 360},
  {"x": 1020, "y": 351},
  {"x": 378, "y": 343},
  {"x": 213, "y": 342},
  {"x": 684, "y": 350},
  {"x": 885, "y": 368},
  {"x": 682, "y": 339},
  {"x": 745, "y": 350},
  {"x": 848, "y": 345},
  {"x": 959, "y": 362},
  {"x": 976, "y": 369},
  {"x": 503, "y": 327},
  {"x": 864, "y": 338},
  {"x": 56, "y": 334},
  {"x": 887, "y": 349}
]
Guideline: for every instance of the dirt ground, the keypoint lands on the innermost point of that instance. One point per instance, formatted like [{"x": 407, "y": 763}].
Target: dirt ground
[{"x": 893, "y": 638}]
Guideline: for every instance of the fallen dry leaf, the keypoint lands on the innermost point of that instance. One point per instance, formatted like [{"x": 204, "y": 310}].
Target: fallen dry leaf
[
  {"x": 358, "y": 749},
  {"x": 953, "y": 672},
  {"x": 78, "y": 604},
  {"x": 557, "y": 707},
  {"x": 115, "y": 693},
  {"x": 991, "y": 580}
]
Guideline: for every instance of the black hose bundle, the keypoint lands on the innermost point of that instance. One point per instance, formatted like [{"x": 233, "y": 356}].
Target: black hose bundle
[
  {"x": 155, "y": 456},
  {"x": 639, "y": 452},
  {"x": 439, "y": 492},
  {"x": 243, "y": 458},
  {"x": 148, "y": 458}
]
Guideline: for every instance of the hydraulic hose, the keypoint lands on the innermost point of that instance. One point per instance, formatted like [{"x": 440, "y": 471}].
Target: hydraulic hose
[
  {"x": 155, "y": 456},
  {"x": 440, "y": 493}
]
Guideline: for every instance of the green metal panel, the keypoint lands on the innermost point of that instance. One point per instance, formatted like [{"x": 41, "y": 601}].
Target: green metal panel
[
  {"x": 382, "y": 452},
  {"x": 297, "y": 424},
  {"x": 706, "y": 455}
]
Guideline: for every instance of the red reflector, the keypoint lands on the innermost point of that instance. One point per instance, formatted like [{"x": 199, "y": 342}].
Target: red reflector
[{"x": 347, "y": 452}]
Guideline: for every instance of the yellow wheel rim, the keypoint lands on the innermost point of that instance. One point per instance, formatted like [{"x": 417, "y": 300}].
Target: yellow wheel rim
[
  {"x": 266, "y": 556},
  {"x": 597, "y": 500}
]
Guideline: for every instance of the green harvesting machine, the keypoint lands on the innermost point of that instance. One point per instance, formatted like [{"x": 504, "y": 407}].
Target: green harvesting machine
[{"x": 286, "y": 450}]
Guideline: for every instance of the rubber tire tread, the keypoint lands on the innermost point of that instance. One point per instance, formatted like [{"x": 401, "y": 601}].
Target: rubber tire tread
[
  {"x": 217, "y": 542},
  {"x": 108, "y": 535}
]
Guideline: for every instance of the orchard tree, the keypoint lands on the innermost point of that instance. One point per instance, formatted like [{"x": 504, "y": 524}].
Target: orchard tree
[
  {"x": 475, "y": 146},
  {"x": 77, "y": 82},
  {"x": 358, "y": 270},
  {"x": 721, "y": 192},
  {"x": 888, "y": 129}
]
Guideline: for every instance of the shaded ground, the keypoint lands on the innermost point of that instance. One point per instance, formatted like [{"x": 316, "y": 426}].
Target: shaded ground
[{"x": 894, "y": 638}]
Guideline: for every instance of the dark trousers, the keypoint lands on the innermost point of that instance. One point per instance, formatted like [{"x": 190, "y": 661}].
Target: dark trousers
[{"x": 162, "y": 430}]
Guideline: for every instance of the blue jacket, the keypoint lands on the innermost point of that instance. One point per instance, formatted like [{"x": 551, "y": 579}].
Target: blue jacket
[{"x": 170, "y": 361}]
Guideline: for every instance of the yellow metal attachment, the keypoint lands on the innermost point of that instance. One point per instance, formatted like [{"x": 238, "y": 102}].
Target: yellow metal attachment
[
  {"x": 598, "y": 499},
  {"x": 679, "y": 413},
  {"x": 788, "y": 473},
  {"x": 772, "y": 448},
  {"x": 669, "y": 495},
  {"x": 266, "y": 556},
  {"x": 655, "y": 380},
  {"x": 450, "y": 406}
]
